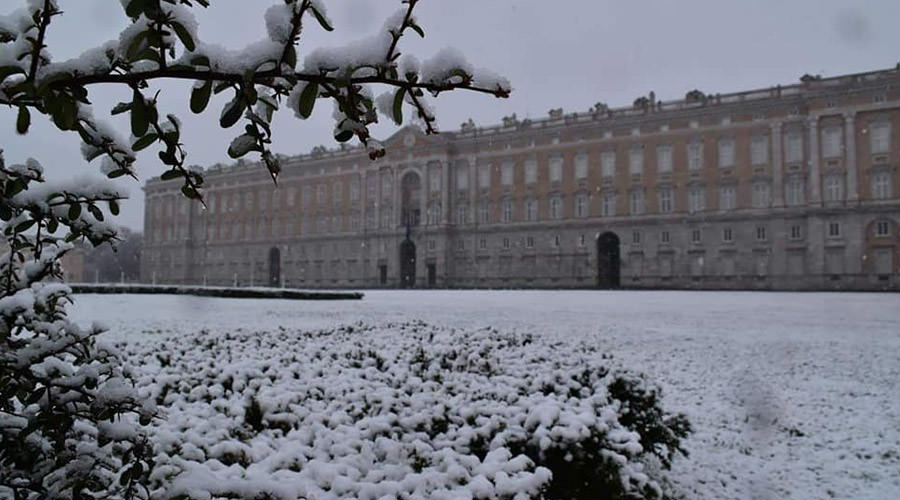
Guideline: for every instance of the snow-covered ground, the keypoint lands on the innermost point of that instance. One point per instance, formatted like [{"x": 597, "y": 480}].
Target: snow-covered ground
[{"x": 791, "y": 395}]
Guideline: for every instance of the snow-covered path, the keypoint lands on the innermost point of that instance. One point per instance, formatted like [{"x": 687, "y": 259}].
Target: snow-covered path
[{"x": 792, "y": 395}]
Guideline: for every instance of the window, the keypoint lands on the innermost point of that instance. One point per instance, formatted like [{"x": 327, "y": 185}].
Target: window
[
  {"x": 794, "y": 191},
  {"x": 696, "y": 236},
  {"x": 507, "y": 210},
  {"x": 529, "y": 242},
  {"x": 581, "y": 205},
  {"x": 530, "y": 171},
  {"x": 636, "y": 237},
  {"x": 882, "y": 228},
  {"x": 354, "y": 222},
  {"x": 386, "y": 184},
  {"x": 462, "y": 177},
  {"x": 581, "y": 166},
  {"x": 881, "y": 186},
  {"x": 696, "y": 199},
  {"x": 432, "y": 244},
  {"x": 556, "y": 166},
  {"x": 506, "y": 243},
  {"x": 665, "y": 200},
  {"x": 354, "y": 189},
  {"x": 556, "y": 241},
  {"x": 531, "y": 210},
  {"x": 759, "y": 150},
  {"x": 834, "y": 188},
  {"x": 832, "y": 145},
  {"x": 608, "y": 208},
  {"x": 434, "y": 180},
  {"x": 793, "y": 150},
  {"x": 664, "y": 158},
  {"x": 880, "y": 137},
  {"x": 462, "y": 214},
  {"x": 637, "y": 202},
  {"x": 371, "y": 188},
  {"x": 727, "y": 198},
  {"x": 796, "y": 232},
  {"x": 760, "y": 233},
  {"x": 337, "y": 190},
  {"x": 608, "y": 164},
  {"x": 387, "y": 216},
  {"x": 834, "y": 229},
  {"x": 761, "y": 195},
  {"x": 695, "y": 155},
  {"x": 555, "y": 207},
  {"x": 726, "y": 152},
  {"x": 636, "y": 160},
  {"x": 484, "y": 176},
  {"x": 506, "y": 173},
  {"x": 484, "y": 212},
  {"x": 664, "y": 237},
  {"x": 461, "y": 244},
  {"x": 482, "y": 243},
  {"x": 433, "y": 216},
  {"x": 727, "y": 235}
]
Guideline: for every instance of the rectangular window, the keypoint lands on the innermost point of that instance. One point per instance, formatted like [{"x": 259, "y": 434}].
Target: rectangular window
[
  {"x": 462, "y": 214},
  {"x": 727, "y": 235},
  {"x": 793, "y": 147},
  {"x": 665, "y": 200},
  {"x": 484, "y": 176},
  {"x": 761, "y": 195},
  {"x": 506, "y": 173},
  {"x": 387, "y": 184},
  {"x": 531, "y": 210},
  {"x": 726, "y": 152},
  {"x": 759, "y": 150},
  {"x": 637, "y": 202},
  {"x": 834, "y": 188},
  {"x": 609, "y": 205},
  {"x": 506, "y": 243},
  {"x": 834, "y": 229},
  {"x": 881, "y": 186},
  {"x": 484, "y": 212},
  {"x": 354, "y": 189},
  {"x": 880, "y": 137},
  {"x": 462, "y": 177},
  {"x": 832, "y": 146},
  {"x": 529, "y": 242},
  {"x": 371, "y": 188},
  {"x": 555, "y": 207},
  {"x": 760, "y": 233},
  {"x": 664, "y": 237},
  {"x": 696, "y": 236},
  {"x": 727, "y": 198},
  {"x": 636, "y": 237},
  {"x": 581, "y": 166},
  {"x": 507, "y": 210},
  {"x": 796, "y": 232},
  {"x": 636, "y": 160},
  {"x": 556, "y": 167},
  {"x": 697, "y": 199},
  {"x": 608, "y": 164},
  {"x": 530, "y": 171},
  {"x": 337, "y": 191},
  {"x": 882, "y": 228},
  {"x": 695, "y": 155},
  {"x": 664, "y": 158},
  {"x": 581, "y": 205},
  {"x": 794, "y": 190},
  {"x": 482, "y": 243},
  {"x": 556, "y": 241}
]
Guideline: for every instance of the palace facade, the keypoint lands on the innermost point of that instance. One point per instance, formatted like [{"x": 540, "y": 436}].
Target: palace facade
[{"x": 789, "y": 187}]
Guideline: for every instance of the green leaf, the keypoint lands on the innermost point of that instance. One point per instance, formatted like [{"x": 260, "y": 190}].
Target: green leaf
[
  {"x": 74, "y": 211},
  {"x": 241, "y": 145},
  {"x": 5, "y": 212},
  {"x": 184, "y": 36},
  {"x": 231, "y": 113},
  {"x": 323, "y": 21},
  {"x": 144, "y": 142},
  {"x": 170, "y": 174},
  {"x": 23, "y": 121},
  {"x": 308, "y": 99},
  {"x": 190, "y": 192},
  {"x": 290, "y": 56},
  {"x": 140, "y": 120},
  {"x": 96, "y": 212},
  {"x": 115, "y": 174},
  {"x": 52, "y": 225},
  {"x": 135, "y": 8},
  {"x": 418, "y": 29},
  {"x": 120, "y": 108},
  {"x": 200, "y": 97},
  {"x": 343, "y": 135},
  {"x": 397, "y": 114},
  {"x": 7, "y": 71},
  {"x": 200, "y": 60},
  {"x": 24, "y": 226},
  {"x": 136, "y": 47},
  {"x": 114, "y": 207}
]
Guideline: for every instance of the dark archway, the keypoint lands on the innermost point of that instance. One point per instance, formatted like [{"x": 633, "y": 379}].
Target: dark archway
[
  {"x": 608, "y": 261},
  {"x": 274, "y": 267},
  {"x": 407, "y": 264}
]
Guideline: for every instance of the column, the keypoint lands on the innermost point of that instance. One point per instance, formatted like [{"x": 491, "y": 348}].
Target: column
[
  {"x": 396, "y": 209},
  {"x": 445, "y": 192},
  {"x": 777, "y": 174},
  {"x": 850, "y": 158},
  {"x": 815, "y": 179}
]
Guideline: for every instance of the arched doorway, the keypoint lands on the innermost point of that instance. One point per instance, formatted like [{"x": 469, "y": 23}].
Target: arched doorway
[
  {"x": 608, "y": 262},
  {"x": 407, "y": 264},
  {"x": 274, "y": 267}
]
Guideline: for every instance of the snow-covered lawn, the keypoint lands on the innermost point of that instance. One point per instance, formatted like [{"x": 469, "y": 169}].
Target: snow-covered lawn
[{"x": 791, "y": 395}]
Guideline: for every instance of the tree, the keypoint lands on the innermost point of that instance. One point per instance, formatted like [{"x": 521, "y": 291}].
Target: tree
[{"x": 69, "y": 421}]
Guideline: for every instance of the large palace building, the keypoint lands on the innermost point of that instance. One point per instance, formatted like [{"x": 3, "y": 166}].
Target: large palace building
[{"x": 789, "y": 187}]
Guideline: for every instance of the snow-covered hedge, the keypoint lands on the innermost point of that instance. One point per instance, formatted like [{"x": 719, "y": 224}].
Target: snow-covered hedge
[{"x": 399, "y": 411}]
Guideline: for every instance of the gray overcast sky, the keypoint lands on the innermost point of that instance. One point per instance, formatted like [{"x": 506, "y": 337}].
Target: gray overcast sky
[{"x": 566, "y": 53}]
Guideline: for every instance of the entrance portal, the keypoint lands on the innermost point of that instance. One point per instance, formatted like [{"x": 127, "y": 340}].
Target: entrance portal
[
  {"x": 407, "y": 264},
  {"x": 608, "y": 262},
  {"x": 274, "y": 267}
]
